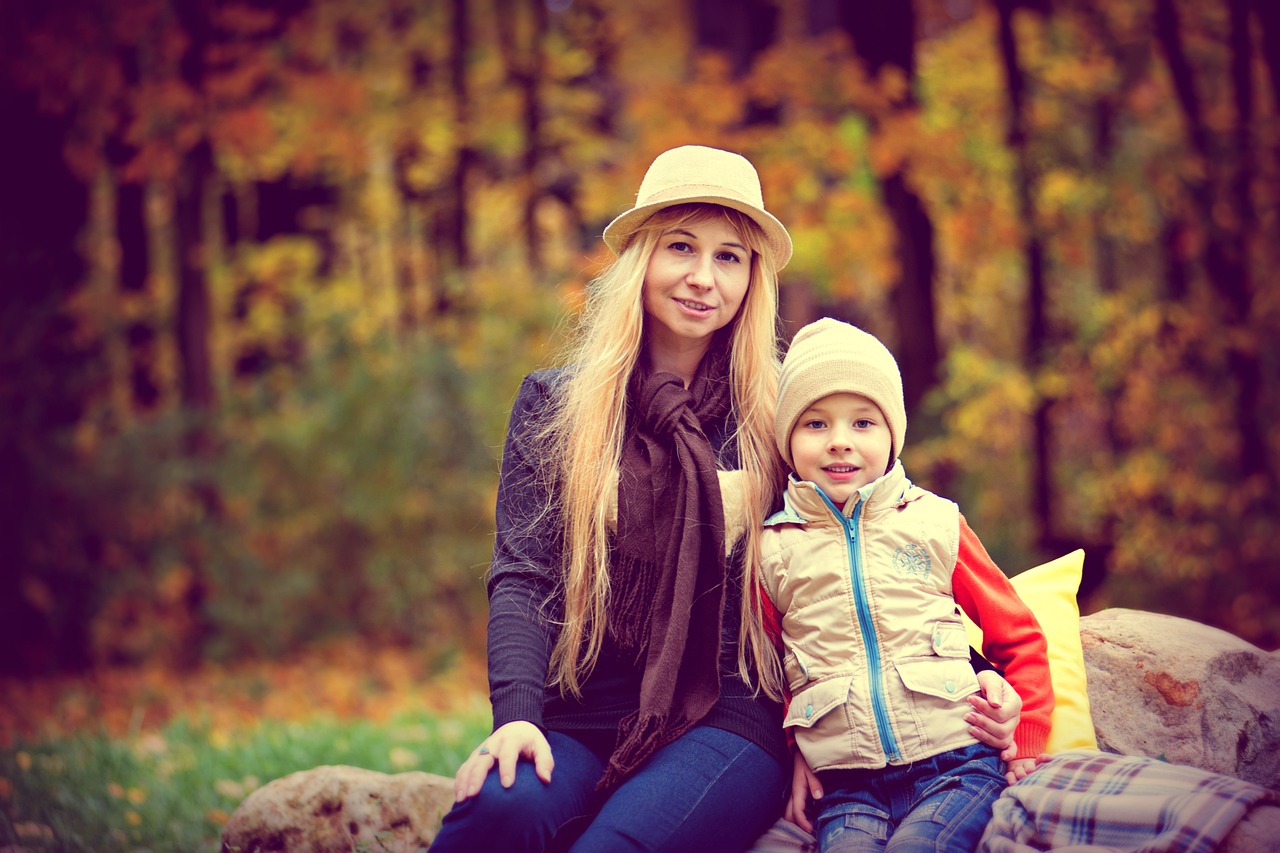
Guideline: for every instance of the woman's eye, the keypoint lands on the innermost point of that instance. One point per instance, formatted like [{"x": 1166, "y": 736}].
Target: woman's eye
[
  {"x": 730, "y": 257},
  {"x": 679, "y": 246}
]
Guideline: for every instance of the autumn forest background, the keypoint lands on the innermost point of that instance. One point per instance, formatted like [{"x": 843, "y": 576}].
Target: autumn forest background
[{"x": 270, "y": 273}]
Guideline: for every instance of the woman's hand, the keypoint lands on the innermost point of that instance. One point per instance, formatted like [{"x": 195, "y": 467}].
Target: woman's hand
[
  {"x": 506, "y": 746},
  {"x": 804, "y": 784},
  {"x": 995, "y": 714}
]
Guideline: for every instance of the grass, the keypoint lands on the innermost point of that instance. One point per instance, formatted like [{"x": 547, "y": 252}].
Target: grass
[
  {"x": 173, "y": 790},
  {"x": 171, "y": 786}
]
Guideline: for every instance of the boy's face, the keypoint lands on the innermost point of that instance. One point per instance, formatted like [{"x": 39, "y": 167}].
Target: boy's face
[{"x": 841, "y": 443}]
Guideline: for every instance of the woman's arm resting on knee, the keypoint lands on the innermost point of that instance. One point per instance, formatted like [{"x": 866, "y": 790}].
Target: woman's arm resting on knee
[
  {"x": 505, "y": 747},
  {"x": 995, "y": 713}
]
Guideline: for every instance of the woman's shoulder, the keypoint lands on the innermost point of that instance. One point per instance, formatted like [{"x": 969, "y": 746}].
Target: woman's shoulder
[
  {"x": 548, "y": 378},
  {"x": 539, "y": 386}
]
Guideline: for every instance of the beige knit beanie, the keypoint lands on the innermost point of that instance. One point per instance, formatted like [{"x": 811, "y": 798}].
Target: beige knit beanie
[{"x": 829, "y": 357}]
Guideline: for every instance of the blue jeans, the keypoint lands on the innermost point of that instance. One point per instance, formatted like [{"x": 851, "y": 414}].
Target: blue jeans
[
  {"x": 940, "y": 803},
  {"x": 709, "y": 790}
]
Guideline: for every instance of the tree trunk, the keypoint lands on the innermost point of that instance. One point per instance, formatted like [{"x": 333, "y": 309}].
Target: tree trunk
[
  {"x": 740, "y": 30},
  {"x": 883, "y": 36},
  {"x": 193, "y": 326},
  {"x": 1227, "y": 238},
  {"x": 1268, "y": 15},
  {"x": 457, "y": 225},
  {"x": 525, "y": 69},
  {"x": 1037, "y": 341}
]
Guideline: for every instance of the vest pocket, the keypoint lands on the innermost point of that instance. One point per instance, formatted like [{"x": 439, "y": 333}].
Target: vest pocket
[
  {"x": 810, "y": 706},
  {"x": 823, "y": 719},
  {"x": 941, "y": 677},
  {"x": 950, "y": 640}
]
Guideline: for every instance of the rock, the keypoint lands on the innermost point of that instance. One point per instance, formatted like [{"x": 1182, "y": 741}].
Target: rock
[
  {"x": 340, "y": 808},
  {"x": 1158, "y": 686},
  {"x": 1177, "y": 690},
  {"x": 1256, "y": 832}
]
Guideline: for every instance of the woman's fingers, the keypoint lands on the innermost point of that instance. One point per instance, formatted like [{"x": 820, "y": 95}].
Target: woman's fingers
[
  {"x": 504, "y": 748},
  {"x": 471, "y": 774},
  {"x": 996, "y": 712},
  {"x": 543, "y": 762}
]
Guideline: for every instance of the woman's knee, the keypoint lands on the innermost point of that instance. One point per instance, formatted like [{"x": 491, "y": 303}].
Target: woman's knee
[{"x": 520, "y": 818}]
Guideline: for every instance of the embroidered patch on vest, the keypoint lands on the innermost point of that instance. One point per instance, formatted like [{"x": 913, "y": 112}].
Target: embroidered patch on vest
[{"x": 912, "y": 560}]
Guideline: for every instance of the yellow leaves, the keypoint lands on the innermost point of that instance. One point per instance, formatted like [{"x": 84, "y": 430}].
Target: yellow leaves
[
  {"x": 403, "y": 759},
  {"x": 896, "y": 137},
  {"x": 1080, "y": 73},
  {"x": 134, "y": 796},
  {"x": 1064, "y": 192},
  {"x": 237, "y": 789}
]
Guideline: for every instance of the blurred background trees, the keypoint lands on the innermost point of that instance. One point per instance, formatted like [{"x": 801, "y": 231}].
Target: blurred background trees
[{"x": 272, "y": 271}]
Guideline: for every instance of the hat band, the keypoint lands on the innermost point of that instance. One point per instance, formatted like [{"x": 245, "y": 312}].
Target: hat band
[{"x": 699, "y": 190}]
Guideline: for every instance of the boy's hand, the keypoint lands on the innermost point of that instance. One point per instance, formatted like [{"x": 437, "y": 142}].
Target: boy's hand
[
  {"x": 1020, "y": 767},
  {"x": 804, "y": 784}
]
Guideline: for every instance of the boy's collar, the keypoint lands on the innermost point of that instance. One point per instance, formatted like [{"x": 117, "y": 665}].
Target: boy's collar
[{"x": 798, "y": 488}]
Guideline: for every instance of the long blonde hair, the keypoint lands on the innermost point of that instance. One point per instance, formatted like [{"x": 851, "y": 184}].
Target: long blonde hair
[{"x": 587, "y": 431}]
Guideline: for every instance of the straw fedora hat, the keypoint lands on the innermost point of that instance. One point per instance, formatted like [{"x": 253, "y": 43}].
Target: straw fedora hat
[{"x": 695, "y": 173}]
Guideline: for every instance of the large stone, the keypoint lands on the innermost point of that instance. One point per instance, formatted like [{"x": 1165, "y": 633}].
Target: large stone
[
  {"x": 340, "y": 808},
  {"x": 1159, "y": 686},
  {"x": 1181, "y": 691}
]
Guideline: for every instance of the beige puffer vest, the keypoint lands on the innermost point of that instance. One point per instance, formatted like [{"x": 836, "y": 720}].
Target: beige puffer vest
[{"x": 876, "y": 653}]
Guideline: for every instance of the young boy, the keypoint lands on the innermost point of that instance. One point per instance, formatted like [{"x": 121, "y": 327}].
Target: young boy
[{"x": 869, "y": 573}]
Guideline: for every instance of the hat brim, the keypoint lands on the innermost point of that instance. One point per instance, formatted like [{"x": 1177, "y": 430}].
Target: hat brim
[{"x": 619, "y": 231}]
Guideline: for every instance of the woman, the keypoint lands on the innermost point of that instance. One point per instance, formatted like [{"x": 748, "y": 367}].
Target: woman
[{"x": 635, "y": 693}]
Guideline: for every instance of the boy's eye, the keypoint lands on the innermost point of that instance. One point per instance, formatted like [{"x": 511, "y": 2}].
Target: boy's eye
[
  {"x": 814, "y": 424},
  {"x": 863, "y": 423}
]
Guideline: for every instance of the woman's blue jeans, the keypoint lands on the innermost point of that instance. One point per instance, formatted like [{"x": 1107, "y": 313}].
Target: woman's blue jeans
[
  {"x": 940, "y": 803},
  {"x": 709, "y": 790}
]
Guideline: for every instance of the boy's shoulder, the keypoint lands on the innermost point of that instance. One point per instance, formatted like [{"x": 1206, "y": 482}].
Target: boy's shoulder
[{"x": 786, "y": 515}]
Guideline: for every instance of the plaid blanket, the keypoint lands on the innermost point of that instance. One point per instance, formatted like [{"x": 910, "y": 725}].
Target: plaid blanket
[{"x": 1096, "y": 800}]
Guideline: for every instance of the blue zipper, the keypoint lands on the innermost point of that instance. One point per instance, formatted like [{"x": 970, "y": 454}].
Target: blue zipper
[{"x": 875, "y": 678}]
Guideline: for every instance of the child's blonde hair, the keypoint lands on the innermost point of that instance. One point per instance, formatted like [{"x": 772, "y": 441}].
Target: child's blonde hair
[{"x": 587, "y": 431}]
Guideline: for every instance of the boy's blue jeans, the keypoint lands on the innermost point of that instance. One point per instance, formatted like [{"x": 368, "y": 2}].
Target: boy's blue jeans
[
  {"x": 940, "y": 803},
  {"x": 709, "y": 790}
]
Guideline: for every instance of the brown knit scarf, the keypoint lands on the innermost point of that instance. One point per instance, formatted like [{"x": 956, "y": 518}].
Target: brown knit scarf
[{"x": 669, "y": 569}]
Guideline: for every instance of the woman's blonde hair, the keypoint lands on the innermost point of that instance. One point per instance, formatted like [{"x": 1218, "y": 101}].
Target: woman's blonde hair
[{"x": 587, "y": 431}]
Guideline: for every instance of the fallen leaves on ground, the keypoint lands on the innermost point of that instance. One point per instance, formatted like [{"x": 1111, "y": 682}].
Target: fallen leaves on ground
[{"x": 347, "y": 680}]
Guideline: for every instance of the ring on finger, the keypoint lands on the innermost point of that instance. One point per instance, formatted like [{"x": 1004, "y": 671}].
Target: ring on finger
[{"x": 484, "y": 750}]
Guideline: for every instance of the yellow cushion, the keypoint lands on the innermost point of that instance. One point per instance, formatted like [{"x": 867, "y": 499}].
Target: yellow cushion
[{"x": 1050, "y": 591}]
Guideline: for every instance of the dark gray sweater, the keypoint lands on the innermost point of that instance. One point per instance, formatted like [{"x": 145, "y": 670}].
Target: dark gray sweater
[{"x": 525, "y": 603}]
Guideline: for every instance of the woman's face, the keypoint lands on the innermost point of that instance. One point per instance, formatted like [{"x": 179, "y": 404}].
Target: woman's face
[{"x": 695, "y": 282}]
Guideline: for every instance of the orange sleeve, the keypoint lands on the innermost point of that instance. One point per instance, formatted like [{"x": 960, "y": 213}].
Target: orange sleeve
[
  {"x": 1011, "y": 637},
  {"x": 772, "y": 620}
]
